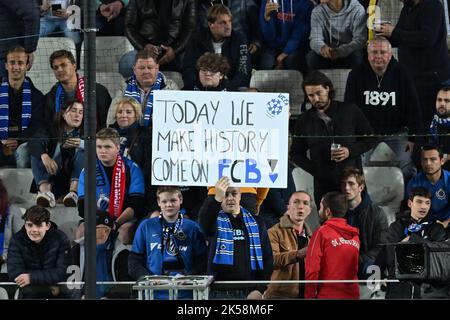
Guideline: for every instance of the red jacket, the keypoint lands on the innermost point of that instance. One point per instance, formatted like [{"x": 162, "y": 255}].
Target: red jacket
[{"x": 332, "y": 254}]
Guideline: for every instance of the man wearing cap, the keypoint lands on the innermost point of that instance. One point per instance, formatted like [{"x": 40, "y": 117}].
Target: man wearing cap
[
  {"x": 168, "y": 244},
  {"x": 112, "y": 256}
]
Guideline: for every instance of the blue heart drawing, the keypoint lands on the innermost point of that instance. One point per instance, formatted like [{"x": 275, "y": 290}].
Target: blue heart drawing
[{"x": 273, "y": 176}]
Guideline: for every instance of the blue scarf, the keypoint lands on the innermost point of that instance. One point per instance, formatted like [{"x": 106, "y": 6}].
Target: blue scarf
[
  {"x": 4, "y": 107},
  {"x": 434, "y": 126},
  {"x": 225, "y": 244},
  {"x": 132, "y": 90}
]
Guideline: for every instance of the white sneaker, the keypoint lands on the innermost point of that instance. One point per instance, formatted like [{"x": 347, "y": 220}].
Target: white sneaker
[
  {"x": 46, "y": 199},
  {"x": 71, "y": 199}
]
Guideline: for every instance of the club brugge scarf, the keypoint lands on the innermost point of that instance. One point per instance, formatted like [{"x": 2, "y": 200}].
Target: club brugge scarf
[
  {"x": 132, "y": 90},
  {"x": 416, "y": 228},
  {"x": 117, "y": 187},
  {"x": 79, "y": 94},
  {"x": 169, "y": 233},
  {"x": 434, "y": 126},
  {"x": 225, "y": 246},
  {"x": 4, "y": 107}
]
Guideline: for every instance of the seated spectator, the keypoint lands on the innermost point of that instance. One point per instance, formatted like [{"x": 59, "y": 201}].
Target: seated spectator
[
  {"x": 111, "y": 259},
  {"x": 119, "y": 187},
  {"x": 70, "y": 86},
  {"x": 285, "y": 29},
  {"x": 220, "y": 39},
  {"x": 338, "y": 35},
  {"x": 61, "y": 158},
  {"x": 146, "y": 78},
  {"x": 383, "y": 89},
  {"x": 20, "y": 110},
  {"x": 54, "y": 15},
  {"x": 180, "y": 244},
  {"x": 110, "y": 17},
  {"x": 10, "y": 222},
  {"x": 289, "y": 239},
  {"x": 435, "y": 179},
  {"x": 368, "y": 218},
  {"x": 440, "y": 125},
  {"x": 161, "y": 27},
  {"x": 275, "y": 203},
  {"x": 245, "y": 18},
  {"x": 239, "y": 247},
  {"x": 212, "y": 69},
  {"x": 38, "y": 256},
  {"x": 413, "y": 225},
  {"x": 333, "y": 253}
]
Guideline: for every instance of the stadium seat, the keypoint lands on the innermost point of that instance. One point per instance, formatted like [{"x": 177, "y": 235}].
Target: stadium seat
[
  {"x": 17, "y": 183},
  {"x": 112, "y": 81},
  {"x": 339, "y": 79},
  {"x": 41, "y": 73},
  {"x": 390, "y": 10},
  {"x": 109, "y": 52},
  {"x": 282, "y": 81},
  {"x": 176, "y": 77},
  {"x": 66, "y": 219},
  {"x": 386, "y": 188}
]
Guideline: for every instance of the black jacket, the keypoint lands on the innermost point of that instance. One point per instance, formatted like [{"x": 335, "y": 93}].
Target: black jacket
[
  {"x": 372, "y": 223},
  {"x": 207, "y": 220},
  {"x": 399, "y": 108},
  {"x": 36, "y": 127},
  {"x": 421, "y": 37},
  {"x": 234, "y": 49},
  {"x": 19, "y": 18},
  {"x": 145, "y": 24},
  {"x": 103, "y": 102},
  {"x": 311, "y": 133},
  {"x": 46, "y": 262}
]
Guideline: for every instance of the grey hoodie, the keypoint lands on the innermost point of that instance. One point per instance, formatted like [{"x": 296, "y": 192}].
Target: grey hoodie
[{"x": 346, "y": 30}]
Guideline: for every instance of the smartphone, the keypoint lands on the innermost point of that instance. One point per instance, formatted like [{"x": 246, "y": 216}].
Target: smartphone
[{"x": 56, "y": 7}]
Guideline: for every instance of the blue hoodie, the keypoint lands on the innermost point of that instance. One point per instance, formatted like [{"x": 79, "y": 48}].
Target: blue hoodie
[{"x": 288, "y": 28}]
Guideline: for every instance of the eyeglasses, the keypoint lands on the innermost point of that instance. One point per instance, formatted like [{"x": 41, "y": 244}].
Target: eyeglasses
[{"x": 209, "y": 72}]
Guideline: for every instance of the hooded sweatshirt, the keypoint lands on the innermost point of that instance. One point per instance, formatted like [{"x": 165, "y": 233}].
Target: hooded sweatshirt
[
  {"x": 289, "y": 27},
  {"x": 344, "y": 30},
  {"x": 333, "y": 255}
]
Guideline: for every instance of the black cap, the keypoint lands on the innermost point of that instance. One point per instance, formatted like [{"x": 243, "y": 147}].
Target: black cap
[{"x": 104, "y": 218}]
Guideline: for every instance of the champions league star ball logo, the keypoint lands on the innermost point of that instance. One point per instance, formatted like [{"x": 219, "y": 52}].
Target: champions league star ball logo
[{"x": 275, "y": 106}]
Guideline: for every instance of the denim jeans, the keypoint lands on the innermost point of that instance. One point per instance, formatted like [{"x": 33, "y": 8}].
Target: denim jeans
[
  {"x": 54, "y": 28},
  {"x": 41, "y": 175},
  {"x": 315, "y": 61},
  {"x": 268, "y": 57}
]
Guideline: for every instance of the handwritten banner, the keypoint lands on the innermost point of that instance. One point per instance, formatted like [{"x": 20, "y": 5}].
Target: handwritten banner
[{"x": 200, "y": 136}]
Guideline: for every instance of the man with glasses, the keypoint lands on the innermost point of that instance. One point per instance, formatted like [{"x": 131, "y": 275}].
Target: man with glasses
[{"x": 219, "y": 38}]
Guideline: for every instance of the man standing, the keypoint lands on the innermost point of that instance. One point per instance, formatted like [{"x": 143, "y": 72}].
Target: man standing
[
  {"x": 385, "y": 92},
  {"x": 326, "y": 124},
  {"x": 369, "y": 218},
  {"x": 421, "y": 37},
  {"x": 289, "y": 239},
  {"x": 161, "y": 27},
  {"x": 338, "y": 35},
  {"x": 440, "y": 125},
  {"x": 239, "y": 247},
  {"x": 19, "y": 25},
  {"x": 70, "y": 86},
  {"x": 333, "y": 252},
  {"x": 435, "y": 179},
  {"x": 219, "y": 38},
  {"x": 21, "y": 110}
]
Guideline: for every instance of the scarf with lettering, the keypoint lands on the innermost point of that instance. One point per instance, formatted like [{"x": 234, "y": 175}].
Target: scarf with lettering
[
  {"x": 225, "y": 244},
  {"x": 4, "y": 107},
  {"x": 116, "y": 187},
  {"x": 79, "y": 94},
  {"x": 169, "y": 233},
  {"x": 132, "y": 90},
  {"x": 434, "y": 127}
]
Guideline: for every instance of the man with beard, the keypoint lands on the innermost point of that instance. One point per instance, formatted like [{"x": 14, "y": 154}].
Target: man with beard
[
  {"x": 440, "y": 125},
  {"x": 421, "y": 37},
  {"x": 435, "y": 179},
  {"x": 327, "y": 124}
]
